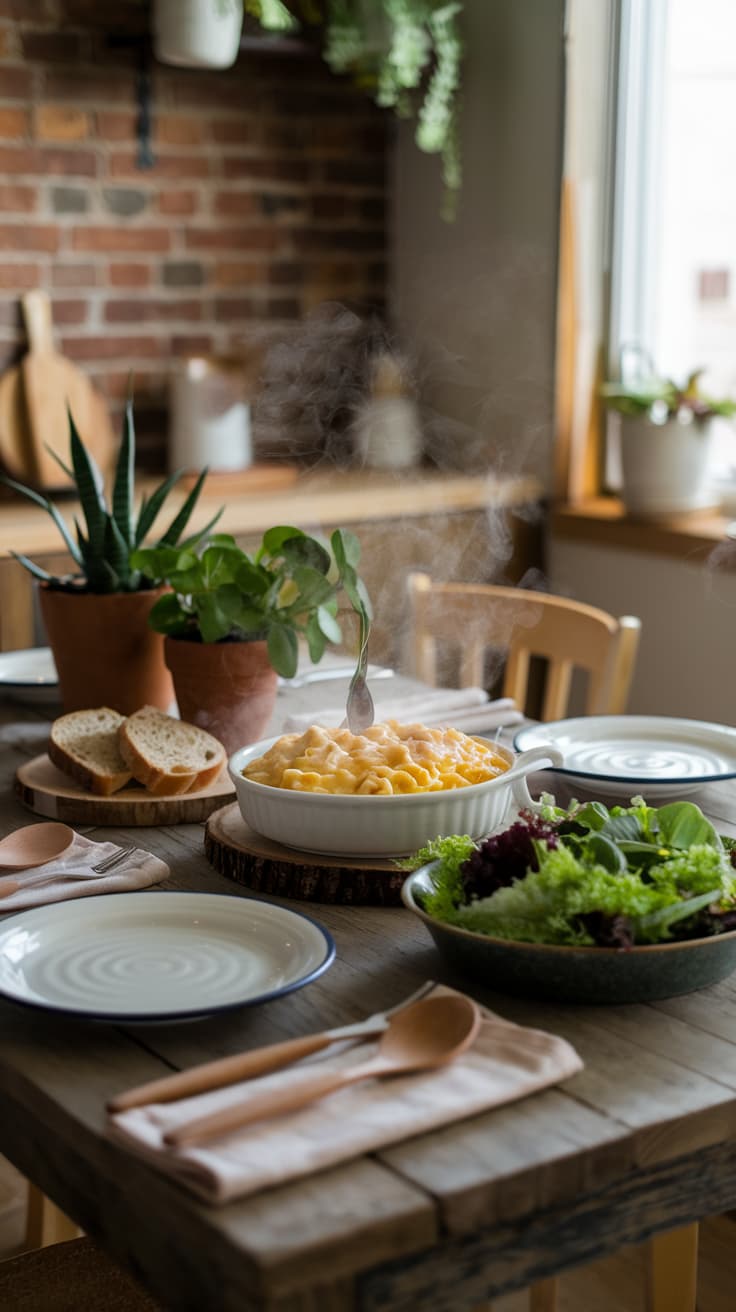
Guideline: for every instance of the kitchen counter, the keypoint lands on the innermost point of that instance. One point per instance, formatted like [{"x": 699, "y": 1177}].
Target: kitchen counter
[{"x": 454, "y": 525}]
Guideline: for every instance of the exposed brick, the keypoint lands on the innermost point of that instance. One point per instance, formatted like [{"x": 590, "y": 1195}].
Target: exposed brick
[
  {"x": 124, "y": 201},
  {"x": 359, "y": 173},
  {"x": 58, "y": 123},
  {"x": 73, "y": 275},
  {"x": 278, "y": 170},
  {"x": 69, "y": 200},
  {"x": 5, "y": 42},
  {"x": 105, "y": 347},
  {"x": 238, "y": 273},
  {"x": 29, "y": 237},
  {"x": 372, "y": 209},
  {"x": 13, "y": 122},
  {"x": 328, "y": 207},
  {"x": 236, "y": 204},
  {"x": 178, "y": 202},
  {"x": 239, "y": 307},
  {"x": 54, "y": 47},
  {"x": 71, "y": 163},
  {"x": 10, "y": 314},
  {"x": 182, "y": 273},
  {"x": 143, "y": 310},
  {"x": 192, "y": 344},
  {"x": 283, "y": 307},
  {"x": 129, "y": 275},
  {"x": 121, "y": 239},
  {"x": 179, "y": 129},
  {"x": 275, "y": 203},
  {"x": 125, "y": 165},
  {"x": 233, "y": 132},
  {"x": 285, "y": 273},
  {"x": 117, "y": 125},
  {"x": 17, "y": 198},
  {"x": 70, "y": 312},
  {"x": 329, "y": 239},
  {"x": 17, "y": 83},
  {"x": 96, "y": 88},
  {"x": 233, "y": 239}
]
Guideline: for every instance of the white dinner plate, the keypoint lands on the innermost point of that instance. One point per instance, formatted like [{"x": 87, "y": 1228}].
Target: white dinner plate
[
  {"x": 29, "y": 675},
  {"x": 158, "y": 956},
  {"x": 629, "y": 754}
]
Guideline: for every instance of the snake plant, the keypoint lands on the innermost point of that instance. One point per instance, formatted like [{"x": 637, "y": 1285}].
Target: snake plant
[{"x": 103, "y": 546}]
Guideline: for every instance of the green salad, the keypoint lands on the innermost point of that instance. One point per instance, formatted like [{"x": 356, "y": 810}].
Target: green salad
[{"x": 588, "y": 876}]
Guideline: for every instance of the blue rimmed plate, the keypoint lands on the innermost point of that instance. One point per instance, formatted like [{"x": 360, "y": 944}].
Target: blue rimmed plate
[
  {"x": 623, "y": 755},
  {"x": 158, "y": 956}
]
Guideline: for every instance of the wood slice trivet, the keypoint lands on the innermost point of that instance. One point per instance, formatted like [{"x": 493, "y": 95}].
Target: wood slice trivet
[
  {"x": 49, "y": 792},
  {"x": 239, "y": 852}
]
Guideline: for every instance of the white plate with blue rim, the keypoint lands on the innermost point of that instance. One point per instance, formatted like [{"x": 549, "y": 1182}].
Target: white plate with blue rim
[
  {"x": 627, "y": 755},
  {"x": 29, "y": 675},
  {"x": 158, "y": 956}
]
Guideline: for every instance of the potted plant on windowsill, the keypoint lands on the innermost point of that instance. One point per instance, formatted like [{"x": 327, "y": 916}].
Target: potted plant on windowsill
[
  {"x": 96, "y": 618},
  {"x": 666, "y": 434},
  {"x": 233, "y": 621},
  {"x": 197, "y": 33}
]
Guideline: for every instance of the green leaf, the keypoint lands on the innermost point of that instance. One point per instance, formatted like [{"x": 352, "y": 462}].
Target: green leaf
[
  {"x": 346, "y": 548},
  {"x": 682, "y": 825},
  {"x": 605, "y": 852},
  {"x": 151, "y": 507},
  {"x": 36, "y": 570},
  {"x": 214, "y": 622},
  {"x": 316, "y": 639},
  {"x": 327, "y": 625},
  {"x": 663, "y": 917},
  {"x": 117, "y": 552},
  {"x": 89, "y": 487},
  {"x": 168, "y": 616},
  {"x": 274, "y": 538},
  {"x": 283, "y": 650},
  {"x": 122, "y": 492},
  {"x": 180, "y": 521},
  {"x": 50, "y": 508},
  {"x": 198, "y": 537},
  {"x": 305, "y": 551}
]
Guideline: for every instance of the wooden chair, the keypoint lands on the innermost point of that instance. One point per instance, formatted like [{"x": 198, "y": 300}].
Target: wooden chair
[{"x": 518, "y": 625}]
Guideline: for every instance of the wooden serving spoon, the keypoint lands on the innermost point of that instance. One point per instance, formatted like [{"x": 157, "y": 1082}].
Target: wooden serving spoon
[
  {"x": 34, "y": 844},
  {"x": 430, "y": 1033}
]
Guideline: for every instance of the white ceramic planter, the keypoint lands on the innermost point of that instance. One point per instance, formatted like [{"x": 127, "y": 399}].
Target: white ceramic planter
[
  {"x": 197, "y": 33},
  {"x": 665, "y": 467}
]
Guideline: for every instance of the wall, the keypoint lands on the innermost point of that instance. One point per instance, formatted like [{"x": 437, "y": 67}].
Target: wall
[
  {"x": 267, "y": 197},
  {"x": 688, "y": 614},
  {"x": 478, "y": 295}
]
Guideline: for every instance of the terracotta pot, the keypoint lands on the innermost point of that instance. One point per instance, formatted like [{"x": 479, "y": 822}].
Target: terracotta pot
[
  {"x": 105, "y": 653},
  {"x": 228, "y": 688}
]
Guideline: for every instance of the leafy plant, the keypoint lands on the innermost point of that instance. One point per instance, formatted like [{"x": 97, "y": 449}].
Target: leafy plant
[
  {"x": 102, "y": 549},
  {"x": 288, "y": 589},
  {"x": 408, "y": 53},
  {"x": 661, "y": 399}
]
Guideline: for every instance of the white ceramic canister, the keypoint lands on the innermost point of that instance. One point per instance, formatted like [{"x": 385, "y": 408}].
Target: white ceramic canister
[{"x": 210, "y": 416}]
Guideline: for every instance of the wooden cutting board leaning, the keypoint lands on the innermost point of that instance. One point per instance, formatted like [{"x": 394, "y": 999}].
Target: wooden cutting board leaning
[{"x": 34, "y": 397}]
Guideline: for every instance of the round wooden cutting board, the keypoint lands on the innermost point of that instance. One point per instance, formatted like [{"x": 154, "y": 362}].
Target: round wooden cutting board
[
  {"x": 239, "y": 852},
  {"x": 50, "y": 792}
]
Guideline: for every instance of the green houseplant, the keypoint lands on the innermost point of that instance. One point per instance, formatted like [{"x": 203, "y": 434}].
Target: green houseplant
[
  {"x": 666, "y": 429},
  {"x": 233, "y": 621},
  {"x": 96, "y": 616}
]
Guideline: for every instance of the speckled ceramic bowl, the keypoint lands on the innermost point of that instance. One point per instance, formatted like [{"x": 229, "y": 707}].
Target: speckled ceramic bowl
[
  {"x": 366, "y": 825},
  {"x": 567, "y": 974}
]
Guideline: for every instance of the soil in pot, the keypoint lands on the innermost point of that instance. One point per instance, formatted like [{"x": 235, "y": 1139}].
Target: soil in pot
[
  {"x": 227, "y": 688},
  {"x": 104, "y": 651}
]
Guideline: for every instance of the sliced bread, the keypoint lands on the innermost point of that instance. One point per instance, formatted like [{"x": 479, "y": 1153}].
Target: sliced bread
[
  {"x": 167, "y": 755},
  {"x": 84, "y": 744}
]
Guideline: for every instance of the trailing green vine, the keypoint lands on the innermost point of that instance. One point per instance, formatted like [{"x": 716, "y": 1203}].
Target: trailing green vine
[{"x": 408, "y": 53}]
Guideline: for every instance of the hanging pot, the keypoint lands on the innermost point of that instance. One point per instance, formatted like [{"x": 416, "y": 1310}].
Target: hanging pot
[
  {"x": 665, "y": 467},
  {"x": 197, "y": 33},
  {"x": 104, "y": 651},
  {"x": 227, "y": 688}
]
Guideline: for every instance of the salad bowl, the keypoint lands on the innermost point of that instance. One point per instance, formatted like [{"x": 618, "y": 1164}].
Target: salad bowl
[
  {"x": 573, "y": 974},
  {"x": 394, "y": 825}
]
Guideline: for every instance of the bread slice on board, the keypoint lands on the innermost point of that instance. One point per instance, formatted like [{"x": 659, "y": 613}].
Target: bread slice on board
[
  {"x": 85, "y": 745},
  {"x": 167, "y": 755}
]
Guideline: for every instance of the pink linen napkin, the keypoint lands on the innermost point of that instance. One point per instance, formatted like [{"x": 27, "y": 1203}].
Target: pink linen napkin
[
  {"x": 468, "y": 709},
  {"x": 54, "y": 880},
  {"x": 505, "y": 1063}
]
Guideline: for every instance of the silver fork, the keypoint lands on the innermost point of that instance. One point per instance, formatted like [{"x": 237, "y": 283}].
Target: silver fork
[
  {"x": 360, "y": 711},
  {"x": 116, "y": 859}
]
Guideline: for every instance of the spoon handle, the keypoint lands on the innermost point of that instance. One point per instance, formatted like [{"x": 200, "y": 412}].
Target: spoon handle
[{"x": 274, "y": 1103}]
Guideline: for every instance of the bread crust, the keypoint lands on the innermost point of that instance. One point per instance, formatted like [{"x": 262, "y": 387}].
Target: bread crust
[
  {"x": 102, "y": 785},
  {"x": 160, "y": 782}
]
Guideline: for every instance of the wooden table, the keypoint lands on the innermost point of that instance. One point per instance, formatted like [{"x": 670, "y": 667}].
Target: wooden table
[{"x": 642, "y": 1140}]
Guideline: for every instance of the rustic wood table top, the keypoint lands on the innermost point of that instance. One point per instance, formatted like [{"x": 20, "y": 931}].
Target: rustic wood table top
[{"x": 642, "y": 1140}]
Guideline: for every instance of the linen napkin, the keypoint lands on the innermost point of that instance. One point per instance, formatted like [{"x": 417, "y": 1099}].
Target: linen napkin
[
  {"x": 54, "y": 881},
  {"x": 468, "y": 709},
  {"x": 505, "y": 1063}
]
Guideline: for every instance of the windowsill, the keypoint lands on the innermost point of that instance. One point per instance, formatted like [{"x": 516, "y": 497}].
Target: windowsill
[{"x": 603, "y": 521}]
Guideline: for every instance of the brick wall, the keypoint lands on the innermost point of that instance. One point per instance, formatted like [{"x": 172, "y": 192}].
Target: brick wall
[{"x": 266, "y": 198}]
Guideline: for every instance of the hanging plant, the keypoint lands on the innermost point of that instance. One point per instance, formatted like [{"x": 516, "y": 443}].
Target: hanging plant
[{"x": 408, "y": 53}]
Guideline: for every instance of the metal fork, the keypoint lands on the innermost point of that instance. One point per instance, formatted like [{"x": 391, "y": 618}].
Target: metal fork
[
  {"x": 360, "y": 711},
  {"x": 116, "y": 859}
]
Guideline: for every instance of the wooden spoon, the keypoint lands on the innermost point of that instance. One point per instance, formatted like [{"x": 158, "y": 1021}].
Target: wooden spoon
[
  {"x": 430, "y": 1033},
  {"x": 34, "y": 844}
]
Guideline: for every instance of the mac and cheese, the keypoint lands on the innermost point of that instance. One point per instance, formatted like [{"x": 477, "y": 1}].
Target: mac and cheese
[{"x": 387, "y": 758}]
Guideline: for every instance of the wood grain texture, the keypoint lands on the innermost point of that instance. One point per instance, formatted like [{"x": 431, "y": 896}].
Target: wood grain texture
[
  {"x": 264, "y": 866},
  {"x": 642, "y": 1141},
  {"x": 41, "y": 787}
]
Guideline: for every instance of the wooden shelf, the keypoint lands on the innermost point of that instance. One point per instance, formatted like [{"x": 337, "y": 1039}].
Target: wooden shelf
[{"x": 602, "y": 521}]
